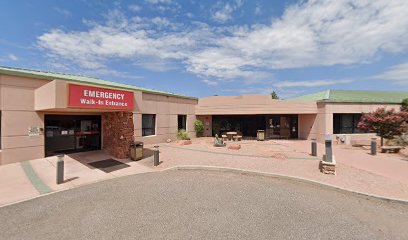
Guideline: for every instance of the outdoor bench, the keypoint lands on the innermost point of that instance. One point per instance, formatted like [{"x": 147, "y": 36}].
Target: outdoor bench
[{"x": 391, "y": 149}]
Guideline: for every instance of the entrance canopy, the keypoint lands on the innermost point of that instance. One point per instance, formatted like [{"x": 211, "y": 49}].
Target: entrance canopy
[{"x": 63, "y": 96}]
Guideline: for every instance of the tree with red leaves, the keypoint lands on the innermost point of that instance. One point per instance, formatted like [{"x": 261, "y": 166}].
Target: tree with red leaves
[{"x": 386, "y": 123}]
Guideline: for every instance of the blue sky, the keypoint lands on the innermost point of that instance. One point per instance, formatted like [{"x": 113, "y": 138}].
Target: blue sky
[{"x": 203, "y": 48}]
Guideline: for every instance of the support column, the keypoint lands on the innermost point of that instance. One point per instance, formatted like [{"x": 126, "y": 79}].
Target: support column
[{"x": 118, "y": 131}]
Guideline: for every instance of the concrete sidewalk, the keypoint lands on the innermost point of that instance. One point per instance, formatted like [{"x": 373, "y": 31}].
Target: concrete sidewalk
[
  {"x": 29, "y": 179},
  {"x": 382, "y": 175},
  {"x": 389, "y": 165}
]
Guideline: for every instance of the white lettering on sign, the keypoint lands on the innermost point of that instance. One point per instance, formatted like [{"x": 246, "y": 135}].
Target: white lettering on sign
[{"x": 105, "y": 95}]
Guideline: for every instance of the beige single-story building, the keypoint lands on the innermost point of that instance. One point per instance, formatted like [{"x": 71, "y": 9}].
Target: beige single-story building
[
  {"x": 313, "y": 116},
  {"x": 45, "y": 114}
]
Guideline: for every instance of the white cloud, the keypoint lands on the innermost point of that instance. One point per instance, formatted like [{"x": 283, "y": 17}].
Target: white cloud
[
  {"x": 164, "y": 5},
  {"x": 258, "y": 10},
  {"x": 224, "y": 12},
  {"x": 159, "y": 1},
  {"x": 62, "y": 11},
  {"x": 398, "y": 74},
  {"x": 12, "y": 57},
  {"x": 134, "y": 8},
  {"x": 210, "y": 82},
  {"x": 309, "y": 33},
  {"x": 315, "y": 83},
  {"x": 160, "y": 21}
]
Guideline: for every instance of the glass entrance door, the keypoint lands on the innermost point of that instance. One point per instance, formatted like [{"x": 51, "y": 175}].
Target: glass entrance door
[
  {"x": 72, "y": 133},
  {"x": 281, "y": 126}
]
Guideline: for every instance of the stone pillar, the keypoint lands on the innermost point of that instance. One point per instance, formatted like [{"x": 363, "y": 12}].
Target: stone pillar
[{"x": 118, "y": 131}]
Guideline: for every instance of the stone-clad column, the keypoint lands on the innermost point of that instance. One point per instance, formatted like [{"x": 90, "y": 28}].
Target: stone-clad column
[{"x": 118, "y": 130}]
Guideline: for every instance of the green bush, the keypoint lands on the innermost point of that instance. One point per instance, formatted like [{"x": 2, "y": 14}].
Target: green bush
[
  {"x": 404, "y": 106},
  {"x": 182, "y": 135},
  {"x": 199, "y": 128}
]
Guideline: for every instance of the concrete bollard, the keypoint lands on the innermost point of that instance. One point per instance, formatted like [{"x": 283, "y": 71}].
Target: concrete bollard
[
  {"x": 314, "y": 147},
  {"x": 156, "y": 156},
  {"x": 60, "y": 169},
  {"x": 329, "y": 150},
  {"x": 373, "y": 146}
]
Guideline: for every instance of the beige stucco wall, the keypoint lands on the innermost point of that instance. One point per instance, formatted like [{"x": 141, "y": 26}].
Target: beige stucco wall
[
  {"x": 52, "y": 95},
  {"x": 307, "y": 126},
  {"x": 17, "y": 115},
  {"x": 251, "y": 104},
  {"x": 167, "y": 110},
  {"x": 25, "y": 101}
]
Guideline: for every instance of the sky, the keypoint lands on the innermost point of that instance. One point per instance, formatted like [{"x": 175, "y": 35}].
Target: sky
[{"x": 203, "y": 48}]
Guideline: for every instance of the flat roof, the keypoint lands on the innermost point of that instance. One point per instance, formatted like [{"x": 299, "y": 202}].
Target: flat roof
[
  {"x": 354, "y": 96},
  {"x": 81, "y": 79}
]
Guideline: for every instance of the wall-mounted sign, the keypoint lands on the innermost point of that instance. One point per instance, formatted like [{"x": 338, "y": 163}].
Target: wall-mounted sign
[
  {"x": 81, "y": 96},
  {"x": 34, "y": 131}
]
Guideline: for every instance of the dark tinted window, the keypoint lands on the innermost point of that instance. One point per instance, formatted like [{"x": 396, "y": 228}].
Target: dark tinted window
[
  {"x": 148, "y": 124},
  {"x": 346, "y": 123}
]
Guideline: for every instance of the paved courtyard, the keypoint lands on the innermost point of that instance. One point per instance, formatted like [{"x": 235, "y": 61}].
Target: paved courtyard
[
  {"x": 381, "y": 175},
  {"x": 203, "y": 205}
]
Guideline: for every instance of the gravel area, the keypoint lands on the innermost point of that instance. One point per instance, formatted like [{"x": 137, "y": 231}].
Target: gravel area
[{"x": 203, "y": 205}]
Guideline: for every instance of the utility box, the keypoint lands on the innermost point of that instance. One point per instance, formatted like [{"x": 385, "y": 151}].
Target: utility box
[
  {"x": 136, "y": 151},
  {"x": 260, "y": 135}
]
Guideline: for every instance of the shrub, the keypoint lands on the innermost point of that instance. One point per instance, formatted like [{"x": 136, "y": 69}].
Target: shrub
[
  {"x": 404, "y": 106},
  {"x": 199, "y": 128},
  {"x": 182, "y": 135}
]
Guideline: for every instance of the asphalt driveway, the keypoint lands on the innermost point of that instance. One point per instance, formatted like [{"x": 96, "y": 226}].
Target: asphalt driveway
[{"x": 203, "y": 205}]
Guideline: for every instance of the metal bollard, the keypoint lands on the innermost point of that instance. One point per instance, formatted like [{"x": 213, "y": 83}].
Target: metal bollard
[
  {"x": 314, "y": 147},
  {"x": 156, "y": 155},
  {"x": 60, "y": 169},
  {"x": 373, "y": 146},
  {"x": 329, "y": 150}
]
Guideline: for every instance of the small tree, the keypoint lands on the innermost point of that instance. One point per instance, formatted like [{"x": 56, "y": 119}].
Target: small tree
[
  {"x": 274, "y": 95},
  {"x": 386, "y": 123},
  {"x": 404, "y": 106},
  {"x": 199, "y": 128}
]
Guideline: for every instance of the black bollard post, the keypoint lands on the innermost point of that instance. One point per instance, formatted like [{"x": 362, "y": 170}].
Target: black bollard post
[
  {"x": 329, "y": 150},
  {"x": 156, "y": 155},
  {"x": 60, "y": 169},
  {"x": 373, "y": 146},
  {"x": 314, "y": 147}
]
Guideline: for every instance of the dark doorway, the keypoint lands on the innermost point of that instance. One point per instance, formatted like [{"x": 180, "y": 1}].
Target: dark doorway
[
  {"x": 72, "y": 133},
  {"x": 282, "y": 126}
]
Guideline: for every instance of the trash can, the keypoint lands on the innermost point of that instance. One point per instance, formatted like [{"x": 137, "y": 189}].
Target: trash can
[
  {"x": 260, "y": 135},
  {"x": 136, "y": 151}
]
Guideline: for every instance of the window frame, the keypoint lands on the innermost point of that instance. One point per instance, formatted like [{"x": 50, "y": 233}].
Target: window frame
[{"x": 152, "y": 129}]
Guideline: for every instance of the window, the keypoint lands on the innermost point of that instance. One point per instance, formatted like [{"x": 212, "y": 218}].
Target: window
[
  {"x": 346, "y": 123},
  {"x": 182, "y": 119},
  {"x": 148, "y": 124}
]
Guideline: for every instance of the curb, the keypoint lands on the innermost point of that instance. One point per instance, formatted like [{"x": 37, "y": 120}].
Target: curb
[
  {"x": 238, "y": 171},
  {"x": 288, "y": 177}
]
